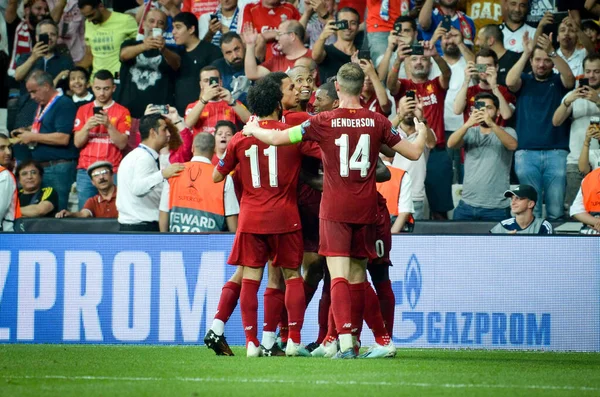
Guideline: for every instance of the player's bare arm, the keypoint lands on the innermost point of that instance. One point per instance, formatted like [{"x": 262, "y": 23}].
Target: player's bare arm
[
  {"x": 217, "y": 176},
  {"x": 413, "y": 151},
  {"x": 274, "y": 137}
]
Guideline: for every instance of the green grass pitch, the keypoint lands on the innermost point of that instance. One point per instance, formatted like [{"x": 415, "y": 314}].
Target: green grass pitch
[{"x": 84, "y": 370}]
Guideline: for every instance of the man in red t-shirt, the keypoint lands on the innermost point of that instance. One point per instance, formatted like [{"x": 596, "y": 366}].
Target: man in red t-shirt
[
  {"x": 290, "y": 37},
  {"x": 215, "y": 104},
  {"x": 487, "y": 82},
  {"x": 432, "y": 95},
  {"x": 101, "y": 131},
  {"x": 265, "y": 17},
  {"x": 268, "y": 224},
  {"x": 349, "y": 138},
  {"x": 102, "y": 205}
]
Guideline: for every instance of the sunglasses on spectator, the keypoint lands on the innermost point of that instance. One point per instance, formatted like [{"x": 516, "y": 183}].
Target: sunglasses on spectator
[{"x": 98, "y": 173}]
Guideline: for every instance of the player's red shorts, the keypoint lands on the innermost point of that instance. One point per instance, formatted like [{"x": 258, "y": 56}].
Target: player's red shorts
[
  {"x": 254, "y": 250},
  {"x": 383, "y": 239},
  {"x": 347, "y": 239}
]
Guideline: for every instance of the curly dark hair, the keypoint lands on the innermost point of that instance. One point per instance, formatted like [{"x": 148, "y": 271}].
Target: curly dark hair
[{"x": 264, "y": 97}]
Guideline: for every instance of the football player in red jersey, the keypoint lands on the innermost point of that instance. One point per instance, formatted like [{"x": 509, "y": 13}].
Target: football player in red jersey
[
  {"x": 305, "y": 84},
  {"x": 350, "y": 138},
  {"x": 269, "y": 224}
]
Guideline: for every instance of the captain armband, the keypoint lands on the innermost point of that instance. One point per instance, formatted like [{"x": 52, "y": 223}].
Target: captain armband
[{"x": 295, "y": 134}]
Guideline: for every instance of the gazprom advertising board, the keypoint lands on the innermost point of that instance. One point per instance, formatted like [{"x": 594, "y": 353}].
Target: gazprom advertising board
[{"x": 491, "y": 292}]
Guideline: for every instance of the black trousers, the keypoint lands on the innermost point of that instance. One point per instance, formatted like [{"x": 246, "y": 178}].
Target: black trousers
[{"x": 139, "y": 227}]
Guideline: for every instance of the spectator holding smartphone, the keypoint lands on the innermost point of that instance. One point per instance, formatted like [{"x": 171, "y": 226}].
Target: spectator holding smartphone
[
  {"x": 148, "y": 67},
  {"x": 226, "y": 18},
  {"x": 447, "y": 15},
  {"x": 316, "y": 15},
  {"x": 569, "y": 36},
  {"x": 101, "y": 131},
  {"x": 589, "y": 159},
  {"x": 215, "y": 103},
  {"x": 541, "y": 159},
  {"x": 488, "y": 158},
  {"x": 485, "y": 74},
  {"x": 331, "y": 57},
  {"x": 580, "y": 106},
  {"x": 431, "y": 93},
  {"x": 44, "y": 57}
]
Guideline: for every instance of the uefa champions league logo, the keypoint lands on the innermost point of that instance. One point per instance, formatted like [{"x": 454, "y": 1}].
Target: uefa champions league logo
[{"x": 413, "y": 281}]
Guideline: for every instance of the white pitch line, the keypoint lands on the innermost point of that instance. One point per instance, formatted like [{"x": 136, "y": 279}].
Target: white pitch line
[{"x": 316, "y": 382}]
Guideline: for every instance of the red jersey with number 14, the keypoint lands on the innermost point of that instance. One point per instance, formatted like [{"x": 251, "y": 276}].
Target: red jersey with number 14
[
  {"x": 350, "y": 140},
  {"x": 269, "y": 177}
]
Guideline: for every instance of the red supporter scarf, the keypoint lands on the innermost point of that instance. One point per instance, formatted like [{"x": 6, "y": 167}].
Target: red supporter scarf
[
  {"x": 40, "y": 113},
  {"x": 21, "y": 45},
  {"x": 465, "y": 28}
]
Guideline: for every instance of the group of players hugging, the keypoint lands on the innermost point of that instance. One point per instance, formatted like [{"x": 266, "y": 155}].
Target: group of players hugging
[{"x": 332, "y": 224}]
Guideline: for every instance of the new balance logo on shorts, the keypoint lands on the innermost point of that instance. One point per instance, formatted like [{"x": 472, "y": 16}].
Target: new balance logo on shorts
[{"x": 248, "y": 328}]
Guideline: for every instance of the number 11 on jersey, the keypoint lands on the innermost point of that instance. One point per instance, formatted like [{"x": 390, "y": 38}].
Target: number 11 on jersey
[
  {"x": 271, "y": 153},
  {"x": 360, "y": 157}
]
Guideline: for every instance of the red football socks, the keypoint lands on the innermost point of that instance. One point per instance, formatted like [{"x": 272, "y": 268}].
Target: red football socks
[
  {"x": 296, "y": 306},
  {"x": 373, "y": 316},
  {"x": 249, "y": 306},
  {"x": 273, "y": 305},
  {"x": 387, "y": 301},
  {"x": 341, "y": 305},
  {"x": 228, "y": 300},
  {"x": 357, "y": 297},
  {"x": 324, "y": 305}
]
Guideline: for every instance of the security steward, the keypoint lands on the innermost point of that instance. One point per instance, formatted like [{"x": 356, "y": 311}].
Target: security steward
[{"x": 192, "y": 203}]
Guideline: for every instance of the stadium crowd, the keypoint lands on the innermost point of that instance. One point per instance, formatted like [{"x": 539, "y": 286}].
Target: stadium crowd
[
  {"x": 509, "y": 91},
  {"x": 134, "y": 106}
]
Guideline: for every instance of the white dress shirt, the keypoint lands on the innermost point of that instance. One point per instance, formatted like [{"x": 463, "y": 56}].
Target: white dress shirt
[
  {"x": 416, "y": 169},
  {"x": 140, "y": 186},
  {"x": 232, "y": 207},
  {"x": 7, "y": 204}
]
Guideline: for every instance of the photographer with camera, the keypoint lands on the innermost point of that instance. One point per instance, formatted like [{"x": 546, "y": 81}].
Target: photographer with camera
[
  {"x": 101, "y": 131},
  {"x": 488, "y": 157},
  {"x": 582, "y": 106},
  {"x": 215, "y": 103},
  {"x": 331, "y": 57}
]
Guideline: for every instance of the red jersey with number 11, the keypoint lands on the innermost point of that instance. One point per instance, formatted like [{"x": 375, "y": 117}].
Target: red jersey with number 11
[
  {"x": 269, "y": 177},
  {"x": 350, "y": 140}
]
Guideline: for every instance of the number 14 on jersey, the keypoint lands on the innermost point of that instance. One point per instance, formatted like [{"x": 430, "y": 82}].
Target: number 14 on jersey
[{"x": 360, "y": 158}]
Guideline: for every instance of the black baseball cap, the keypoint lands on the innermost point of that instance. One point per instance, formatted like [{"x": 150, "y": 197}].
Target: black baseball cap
[{"x": 522, "y": 191}]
